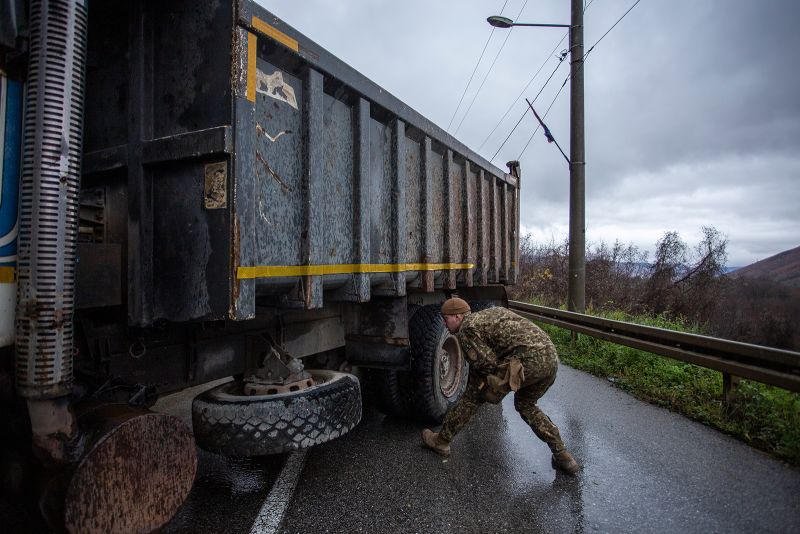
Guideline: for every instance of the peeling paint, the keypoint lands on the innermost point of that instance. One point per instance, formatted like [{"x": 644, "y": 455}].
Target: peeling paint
[
  {"x": 273, "y": 86},
  {"x": 272, "y": 173},
  {"x": 215, "y": 189},
  {"x": 261, "y": 131}
]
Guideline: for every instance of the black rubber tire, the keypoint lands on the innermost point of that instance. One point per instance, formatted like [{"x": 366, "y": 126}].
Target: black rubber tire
[
  {"x": 392, "y": 391},
  {"x": 427, "y": 332},
  {"x": 480, "y": 305},
  {"x": 229, "y": 423}
]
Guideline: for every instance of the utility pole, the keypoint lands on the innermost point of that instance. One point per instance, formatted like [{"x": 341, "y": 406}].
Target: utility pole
[{"x": 576, "y": 284}]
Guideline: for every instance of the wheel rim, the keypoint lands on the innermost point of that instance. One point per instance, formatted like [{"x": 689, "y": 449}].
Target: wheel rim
[
  {"x": 451, "y": 365},
  {"x": 233, "y": 390}
]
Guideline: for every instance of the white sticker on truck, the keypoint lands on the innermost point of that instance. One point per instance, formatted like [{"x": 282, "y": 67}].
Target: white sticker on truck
[{"x": 273, "y": 86}]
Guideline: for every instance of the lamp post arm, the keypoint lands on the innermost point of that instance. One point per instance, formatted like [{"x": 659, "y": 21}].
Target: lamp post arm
[{"x": 542, "y": 25}]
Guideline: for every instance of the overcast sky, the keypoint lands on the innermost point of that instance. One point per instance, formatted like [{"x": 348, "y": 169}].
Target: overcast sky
[{"x": 692, "y": 106}]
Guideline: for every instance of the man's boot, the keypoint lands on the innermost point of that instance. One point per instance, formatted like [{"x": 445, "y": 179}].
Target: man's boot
[
  {"x": 563, "y": 461},
  {"x": 433, "y": 441}
]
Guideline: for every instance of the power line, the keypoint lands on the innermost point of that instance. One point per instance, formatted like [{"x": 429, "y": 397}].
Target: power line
[
  {"x": 474, "y": 71},
  {"x": 611, "y": 28},
  {"x": 583, "y": 62},
  {"x": 475, "y": 96},
  {"x": 460, "y": 100},
  {"x": 523, "y": 91},
  {"x": 543, "y": 117},
  {"x": 525, "y": 112}
]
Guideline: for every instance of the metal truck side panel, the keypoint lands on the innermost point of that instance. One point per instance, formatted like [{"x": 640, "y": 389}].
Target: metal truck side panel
[
  {"x": 184, "y": 228},
  {"x": 338, "y": 183},
  {"x": 257, "y": 166},
  {"x": 298, "y": 44},
  {"x": 243, "y": 210},
  {"x": 279, "y": 167},
  {"x": 381, "y": 193}
]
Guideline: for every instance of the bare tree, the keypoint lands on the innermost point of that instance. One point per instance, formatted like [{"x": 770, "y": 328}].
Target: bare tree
[
  {"x": 668, "y": 264},
  {"x": 614, "y": 276},
  {"x": 681, "y": 282},
  {"x": 543, "y": 271}
]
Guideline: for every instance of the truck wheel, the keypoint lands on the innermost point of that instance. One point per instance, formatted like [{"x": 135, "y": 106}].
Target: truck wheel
[
  {"x": 392, "y": 388},
  {"x": 392, "y": 391},
  {"x": 480, "y": 305},
  {"x": 439, "y": 369},
  {"x": 227, "y": 422}
]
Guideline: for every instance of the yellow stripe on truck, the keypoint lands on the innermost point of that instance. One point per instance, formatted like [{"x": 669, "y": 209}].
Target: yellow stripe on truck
[
  {"x": 276, "y": 34},
  {"x": 274, "y": 271},
  {"x": 8, "y": 275},
  {"x": 252, "y": 53}
]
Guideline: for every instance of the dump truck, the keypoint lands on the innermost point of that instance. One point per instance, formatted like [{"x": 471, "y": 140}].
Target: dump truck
[{"x": 194, "y": 190}]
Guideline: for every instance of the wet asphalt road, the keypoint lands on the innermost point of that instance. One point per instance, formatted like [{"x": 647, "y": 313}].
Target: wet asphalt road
[
  {"x": 645, "y": 470},
  {"x": 228, "y": 493}
]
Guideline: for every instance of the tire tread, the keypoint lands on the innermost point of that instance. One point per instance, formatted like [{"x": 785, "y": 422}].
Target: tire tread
[{"x": 273, "y": 426}]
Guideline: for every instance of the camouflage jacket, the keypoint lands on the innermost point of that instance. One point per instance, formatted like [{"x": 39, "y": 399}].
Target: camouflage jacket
[{"x": 493, "y": 336}]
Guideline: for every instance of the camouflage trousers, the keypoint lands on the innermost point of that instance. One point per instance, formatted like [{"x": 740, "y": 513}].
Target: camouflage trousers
[{"x": 540, "y": 374}]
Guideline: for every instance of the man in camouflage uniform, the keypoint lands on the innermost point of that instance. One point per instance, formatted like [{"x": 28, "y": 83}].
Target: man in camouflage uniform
[{"x": 506, "y": 353}]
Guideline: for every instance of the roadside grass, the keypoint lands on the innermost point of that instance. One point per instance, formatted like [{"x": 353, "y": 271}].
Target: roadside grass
[{"x": 765, "y": 417}]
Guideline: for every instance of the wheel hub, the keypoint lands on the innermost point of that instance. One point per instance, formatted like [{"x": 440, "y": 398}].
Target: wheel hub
[
  {"x": 451, "y": 364},
  {"x": 444, "y": 362},
  {"x": 271, "y": 388},
  {"x": 279, "y": 373}
]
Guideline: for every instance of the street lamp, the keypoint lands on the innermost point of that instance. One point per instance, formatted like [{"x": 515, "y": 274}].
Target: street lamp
[
  {"x": 505, "y": 22},
  {"x": 576, "y": 283}
]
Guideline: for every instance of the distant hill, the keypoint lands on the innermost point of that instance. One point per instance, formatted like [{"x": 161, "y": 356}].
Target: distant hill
[{"x": 783, "y": 267}]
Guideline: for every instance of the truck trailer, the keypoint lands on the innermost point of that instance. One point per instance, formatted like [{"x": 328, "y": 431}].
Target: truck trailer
[{"x": 194, "y": 190}]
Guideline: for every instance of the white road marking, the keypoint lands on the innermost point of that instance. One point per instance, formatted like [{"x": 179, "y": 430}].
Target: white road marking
[{"x": 269, "y": 518}]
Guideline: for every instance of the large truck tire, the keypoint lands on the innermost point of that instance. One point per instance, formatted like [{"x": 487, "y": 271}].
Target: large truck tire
[
  {"x": 227, "y": 422},
  {"x": 480, "y": 305},
  {"x": 391, "y": 390},
  {"x": 438, "y": 367}
]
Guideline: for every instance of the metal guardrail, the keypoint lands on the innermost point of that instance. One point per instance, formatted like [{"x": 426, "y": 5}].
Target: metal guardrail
[{"x": 775, "y": 367}]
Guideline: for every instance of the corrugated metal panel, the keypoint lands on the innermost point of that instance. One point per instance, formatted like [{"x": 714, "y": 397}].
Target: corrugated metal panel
[
  {"x": 438, "y": 215},
  {"x": 329, "y": 185}
]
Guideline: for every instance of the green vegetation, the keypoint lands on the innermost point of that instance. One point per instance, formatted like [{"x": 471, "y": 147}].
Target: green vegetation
[{"x": 766, "y": 417}]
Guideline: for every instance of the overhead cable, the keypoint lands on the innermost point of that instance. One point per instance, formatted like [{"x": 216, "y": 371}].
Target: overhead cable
[
  {"x": 474, "y": 71},
  {"x": 525, "y": 112},
  {"x": 475, "y": 96},
  {"x": 583, "y": 62},
  {"x": 611, "y": 28},
  {"x": 523, "y": 91}
]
